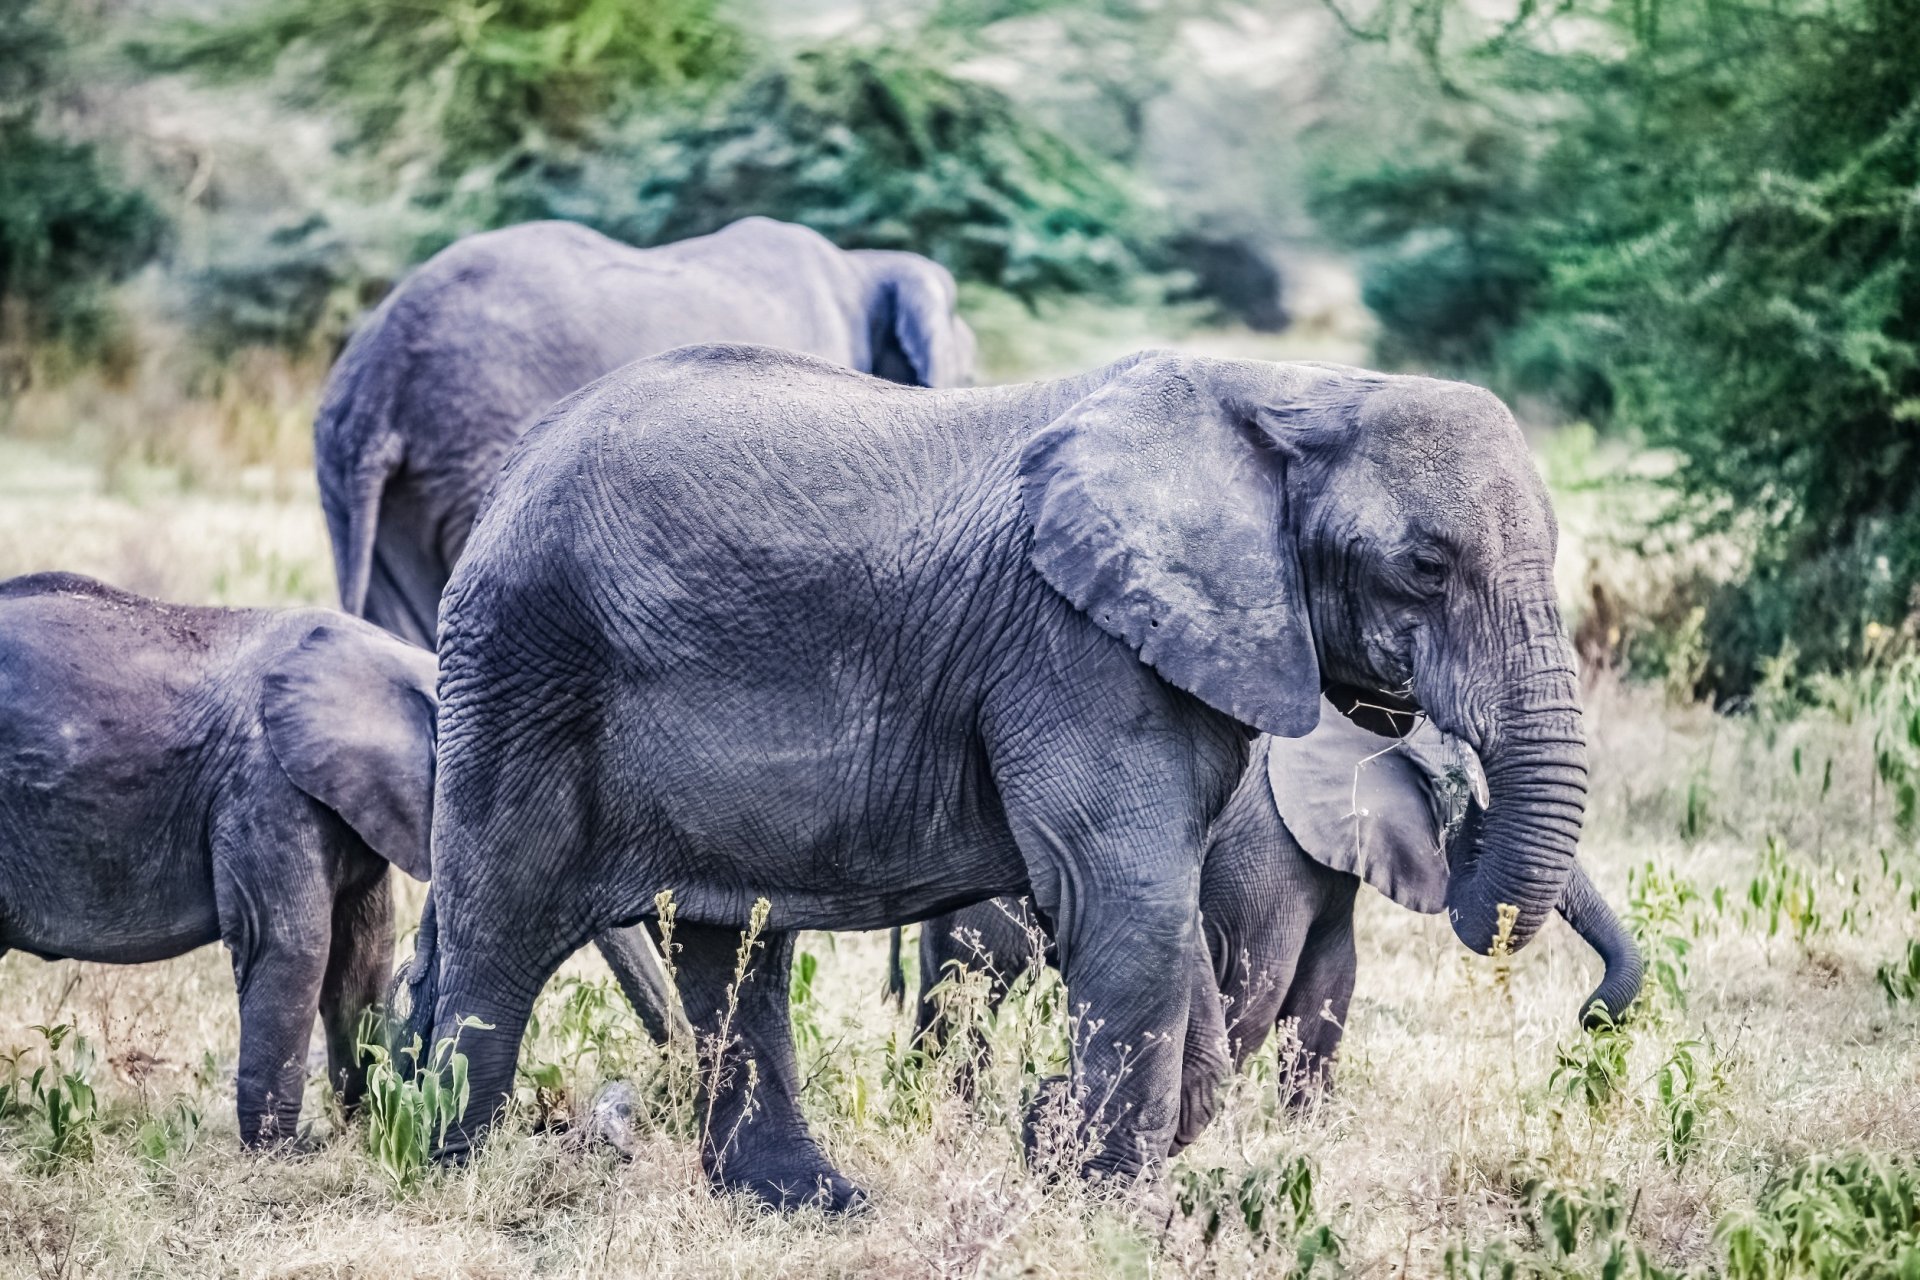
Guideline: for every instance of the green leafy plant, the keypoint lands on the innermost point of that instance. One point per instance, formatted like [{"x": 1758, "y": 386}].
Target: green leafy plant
[
  {"x": 1782, "y": 896},
  {"x": 1273, "y": 1203},
  {"x": 57, "y": 1098},
  {"x": 590, "y": 1026},
  {"x": 1686, "y": 1085},
  {"x": 1663, "y": 912},
  {"x": 409, "y": 1109},
  {"x": 1592, "y": 1069},
  {"x": 1830, "y": 1218},
  {"x": 1900, "y": 979}
]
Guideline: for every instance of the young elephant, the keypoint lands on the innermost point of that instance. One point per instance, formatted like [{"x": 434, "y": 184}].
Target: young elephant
[
  {"x": 1311, "y": 818},
  {"x": 170, "y": 776}
]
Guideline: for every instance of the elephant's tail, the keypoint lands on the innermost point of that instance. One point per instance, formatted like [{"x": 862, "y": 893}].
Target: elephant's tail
[
  {"x": 1595, "y": 921},
  {"x": 356, "y": 450},
  {"x": 896, "y": 971},
  {"x": 413, "y": 991}
]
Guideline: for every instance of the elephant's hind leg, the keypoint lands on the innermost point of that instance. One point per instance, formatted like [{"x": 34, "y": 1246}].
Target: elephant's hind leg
[
  {"x": 754, "y": 1137},
  {"x": 1316, "y": 1003},
  {"x": 358, "y": 965}
]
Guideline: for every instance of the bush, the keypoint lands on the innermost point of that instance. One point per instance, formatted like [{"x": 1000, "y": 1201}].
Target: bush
[{"x": 875, "y": 148}]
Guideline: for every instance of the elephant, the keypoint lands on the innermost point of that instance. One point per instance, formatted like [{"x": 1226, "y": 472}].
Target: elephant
[
  {"x": 172, "y": 776},
  {"x": 431, "y": 393},
  {"x": 812, "y": 650},
  {"x": 1312, "y": 818}
]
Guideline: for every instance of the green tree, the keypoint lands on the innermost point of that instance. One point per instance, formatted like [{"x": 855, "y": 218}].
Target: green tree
[
  {"x": 457, "y": 84},
  {"x": 1694, "y": 218}
]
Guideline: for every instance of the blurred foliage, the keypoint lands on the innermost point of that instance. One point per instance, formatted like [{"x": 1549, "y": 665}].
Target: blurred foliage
[
  {"x": 875, "y": 148},
  {"x": 657, "y": 121},
  {"x": 69, "y": 224},
  {"x": 456, "y": 84},
  {"x": 1692, "y": 218}
]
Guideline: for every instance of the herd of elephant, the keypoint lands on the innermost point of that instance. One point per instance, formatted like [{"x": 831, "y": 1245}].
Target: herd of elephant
[{"x": 702, "y": 569}]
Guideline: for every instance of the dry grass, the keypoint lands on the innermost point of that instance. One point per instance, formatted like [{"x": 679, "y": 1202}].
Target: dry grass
[{"x": 1448, "y": 1105}]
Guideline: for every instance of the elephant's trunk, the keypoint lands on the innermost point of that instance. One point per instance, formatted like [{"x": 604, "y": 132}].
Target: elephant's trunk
[
  {"x": 1535, "y": 760},
  {"x": 1595, "y": 921}
]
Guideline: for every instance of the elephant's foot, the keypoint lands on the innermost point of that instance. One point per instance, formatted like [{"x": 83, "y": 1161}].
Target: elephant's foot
[{"x": 795, "y": 1177}]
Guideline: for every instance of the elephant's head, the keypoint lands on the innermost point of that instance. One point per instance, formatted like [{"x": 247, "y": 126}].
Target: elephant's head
[
  {"x": 1260, "y": 531},
  {"x": 916, "y": 333},
  {"x": 349, "y": 713}
]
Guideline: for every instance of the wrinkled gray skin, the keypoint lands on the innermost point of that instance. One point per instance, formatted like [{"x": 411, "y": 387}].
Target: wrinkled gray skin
[
  {"x": 173, "y": 776},
  {"x": 1311, "y": 818},
  {"x": 741, "y": 624},
  {"x": 468, "y": 351}
]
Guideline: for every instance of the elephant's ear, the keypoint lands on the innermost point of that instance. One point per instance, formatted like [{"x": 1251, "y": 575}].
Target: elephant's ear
[
  {"x": 1158, "y": 510},
  {"x": 349, "y": 713},
  {"x": 917, "y": 321},
  {"x": 1365, "y": 805}
]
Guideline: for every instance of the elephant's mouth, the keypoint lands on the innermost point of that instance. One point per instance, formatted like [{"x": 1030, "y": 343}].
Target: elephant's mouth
[{"x": 1387, "y": 714}]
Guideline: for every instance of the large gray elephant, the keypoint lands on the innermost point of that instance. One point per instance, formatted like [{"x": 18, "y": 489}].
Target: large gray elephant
[
  {"x": 1312, "y": 818},
  {"x": 744, "y": 625},
  {"x": 464, "y": 355},
  {"x": 174, "y": 776}
]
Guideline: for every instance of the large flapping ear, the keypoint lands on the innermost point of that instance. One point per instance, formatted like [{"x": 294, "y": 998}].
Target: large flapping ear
[
  {"x": 350, "y": 715},
  {"x": 916, "y": 313},
  {"x": 1158, "y": 510},
  {"x": 1367, "y": 805}
]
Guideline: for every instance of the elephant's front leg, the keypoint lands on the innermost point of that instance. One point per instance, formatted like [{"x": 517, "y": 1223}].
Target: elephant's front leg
[
  {"x": 1118, "y": 950},
  {"x": 753, "y": 1135},
  {"x": 279, "y": 979}
]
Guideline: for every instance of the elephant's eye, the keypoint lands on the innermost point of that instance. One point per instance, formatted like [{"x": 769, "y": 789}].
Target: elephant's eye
[{"x": 1430, "y": 568}]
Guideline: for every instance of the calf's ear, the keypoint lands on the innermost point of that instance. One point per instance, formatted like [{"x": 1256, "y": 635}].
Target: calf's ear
[
  {"x": 350, "y": 716},
  {"x": 1366, "y": 805}
]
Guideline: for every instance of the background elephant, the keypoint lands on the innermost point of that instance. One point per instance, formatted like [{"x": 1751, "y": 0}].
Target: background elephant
[
  {"x": 465, "y": 354},
  {"x": 173, "y": 776},
  {"x": 1311, "y": 818},
  {"x": 744, "y": 625}
]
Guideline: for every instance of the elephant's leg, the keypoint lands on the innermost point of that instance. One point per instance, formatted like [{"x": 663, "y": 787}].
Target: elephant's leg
[
  {"x": 1130, "y": 1021},
  {"x": 1317, "y": 1001},
  {"x": 500, "y": 930},
  {"x": 753, "y": 1135},
  {"x": 1256, "y": 945},
  {"x": 998, "y": 938},
  {"x": 634, "y": 957},
  {"x": 279, "y": 979},
  {"x": 358, "y": 965},
  {"x": 408, "y": 573}
]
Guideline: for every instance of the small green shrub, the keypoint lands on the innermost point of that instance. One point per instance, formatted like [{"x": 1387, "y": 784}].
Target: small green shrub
[
  {"x": 1272, "y": 1202},
  {"x": 1663, "y": 912},
  {"x": 56, "y": 1100},
  {"x": 1848, "y": 1218},
  {"x": 1592, "y": 1069},
  {"x": 1782, "y": 896},
  {"x": 409, "y": 1110},
  {"x": 1900, "y": 979}
]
